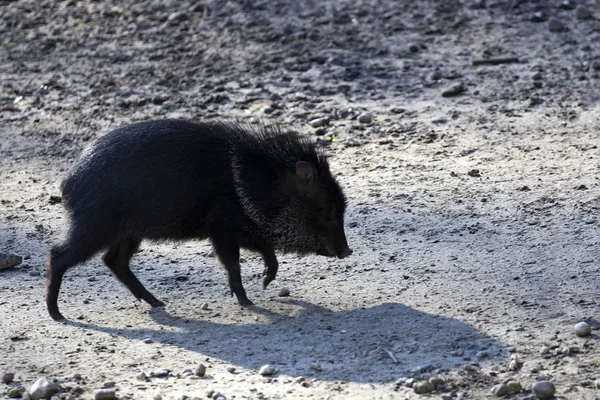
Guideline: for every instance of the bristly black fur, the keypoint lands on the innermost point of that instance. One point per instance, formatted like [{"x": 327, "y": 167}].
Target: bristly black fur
[{"x": 174, "y": 180}]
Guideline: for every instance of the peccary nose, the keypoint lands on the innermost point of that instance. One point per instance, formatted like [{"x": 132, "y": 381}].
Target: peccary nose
[{"x": 345, "y": 253}]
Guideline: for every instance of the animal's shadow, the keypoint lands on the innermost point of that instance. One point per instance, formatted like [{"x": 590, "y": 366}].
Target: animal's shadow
[{"x": 376, "y": 344}]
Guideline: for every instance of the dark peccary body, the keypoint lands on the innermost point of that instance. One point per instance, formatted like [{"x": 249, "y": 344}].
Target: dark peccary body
[{"x": 261, "y": 189}]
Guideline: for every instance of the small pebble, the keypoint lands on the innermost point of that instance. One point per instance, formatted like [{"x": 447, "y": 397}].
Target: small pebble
[
  {"x": 409, "y": 382},
  {"x": 589, "y": 220},
  {"x": 582, "y": 12},
  {"x": 231, "y": 369},
  {"x": 566, "y": 5},
  {"x": 267, "y": 370},
  {"x": 423, "y": 387},
  {"x": 8, "y": 378},
  {"x": 9, "y": 260},
  {"x": 305, "y": 384},
  {"x": 204, "y": 306},
  {"x": 284, "y": 292},
  {"x": 43, "y": 388},
  {"x": 148, "y": 341},
  {"x": 158, "y": 397},
  {"x": 365, "y": 118},
  {"x": 574, "y": 349},
  {"x": 105, "y": 394},
  {"x": 538, "y": 16},
  {"x": 201, "y": 370},
  {"x": 544, "y": 350},
  {"x": 317, "y": 122},
  {"x": 482, "y": 354},
  {"x": 598, "y": 383},
  {"x": 253, "y": 120},
  {"x": 16, "y": 393},
  {"x": 514, "y": 387},
  {"x": 160, "y": 373},
  {"x": 514, "y": 363},
  {"x": 414, "y": 48},
  {"x": 142, "y": 377},
  {"x": 436, "y": 381},
  {"x": 219, "y": 396},
  {"x": 532, "y": 221},
  {"x": 543, "y": 390},
  {"x": 453, "y": 90},
  {"x": 555, "y": 25},
  {"x": 582, "y": 329},
  {"x": 458, "y": 352},
  {"x": 500, "y": 390}
]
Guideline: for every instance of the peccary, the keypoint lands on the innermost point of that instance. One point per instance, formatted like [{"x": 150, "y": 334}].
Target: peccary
[{"x": 262, "y": 189}]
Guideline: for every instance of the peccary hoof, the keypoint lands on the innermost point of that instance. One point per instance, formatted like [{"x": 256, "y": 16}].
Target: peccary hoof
[
  {"x": 266, "y": 281},
  {"x": 245, "y": 302}
]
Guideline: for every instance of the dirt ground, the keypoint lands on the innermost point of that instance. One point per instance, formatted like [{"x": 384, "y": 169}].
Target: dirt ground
[{"x": 473, "y": 194}]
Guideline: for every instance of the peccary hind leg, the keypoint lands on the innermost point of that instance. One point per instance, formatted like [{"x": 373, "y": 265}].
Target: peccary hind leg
[
  {"x": 61, "y": 258},
  {"x": 117, "y": 259},
  {"x": 229, "y": 254}
]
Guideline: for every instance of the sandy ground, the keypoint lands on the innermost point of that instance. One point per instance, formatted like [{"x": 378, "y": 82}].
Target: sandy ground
[{"x": 473, "y": 218}]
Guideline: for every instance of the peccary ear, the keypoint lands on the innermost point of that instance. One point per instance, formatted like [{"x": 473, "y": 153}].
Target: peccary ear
[{"x": 304, "y": 173}]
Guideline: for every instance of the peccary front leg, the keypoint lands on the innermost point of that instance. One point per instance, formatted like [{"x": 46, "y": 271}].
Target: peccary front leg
[
  {"x": 229, "y": 254},
  {"x": 271, "y": 265}
]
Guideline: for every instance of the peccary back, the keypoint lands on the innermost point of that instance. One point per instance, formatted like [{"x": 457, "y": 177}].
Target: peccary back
[{"x": 264, "y": 189}]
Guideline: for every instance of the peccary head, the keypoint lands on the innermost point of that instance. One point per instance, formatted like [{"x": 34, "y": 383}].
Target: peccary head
[{"x": 286, "y": 189}]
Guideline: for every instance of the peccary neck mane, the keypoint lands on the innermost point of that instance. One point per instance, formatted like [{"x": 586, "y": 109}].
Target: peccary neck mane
[{"x": 263, "y": 161}]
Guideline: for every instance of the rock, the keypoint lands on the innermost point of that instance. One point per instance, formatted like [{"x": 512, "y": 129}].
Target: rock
[
  {"x": 267, "y": 370},
  {"x": 482, "y": 354},
  {"x": 514, "y": 363},
  {"x": 105, "y": 394},
  {"x": 317, "y": 122},
  {"x": 500, "y": 390},
  {"x": 423, "y": 387},
  {"x": 436, "y": 381},
  {"x": 148, "y": 341},
  {"x": 204, "y": 306},
  {"x": 544, "y": 350},
  {"x": 284, "y": 292},
  {"x": 514, "y": 387},
  {"x": 9, "y": 260},
  {"x": 365, "y": 118},
  {"x": 574, "y": 349},
  {"x": 414, "y": 48},
  {"x": 201, "y": 370},
  {"x": 566, "y": 5},
  {"x": 454, "y": 90},
  {"x": 142, "y": 377},
  {"x": 532, "y": 221},
  {"x": 17, "y": 392},
  {"x": 589, "y": 220},
  {"x": 543, "y": 389},
  {"x": 157, "y": 397},
  {"x": 598, "y": 383},
  {"x": 458, "y": 352},
  {"x": 231, "y": 369},
  {"x": 219, "y": 396},
  {"x": 555, "y": 25},
  {"x": 474, "y": 173},
  {"x": 538, "y": 17},
  {"x": 44, "y": 389},
  {"x": 108, "y": 385},
  {"x": 160, "y": 373},
  {"x": 8, "y": 378},
  {"x": 582, "y": 12},
  {"x": 582, "y": 329}
]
